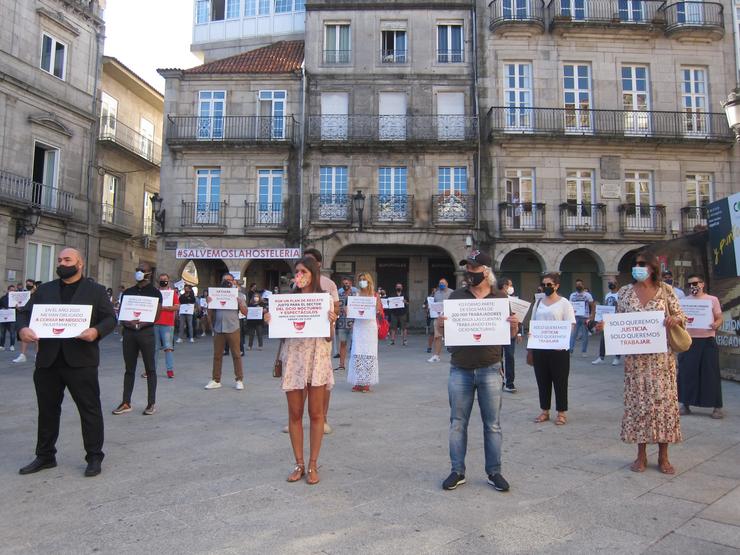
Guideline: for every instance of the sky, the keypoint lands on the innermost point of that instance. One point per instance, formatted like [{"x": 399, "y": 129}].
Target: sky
[{"x": 146, "y": 35}]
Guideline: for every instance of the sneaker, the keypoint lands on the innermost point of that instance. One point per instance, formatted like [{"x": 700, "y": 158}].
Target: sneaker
[
  {"x": 239, "y": 385},
  {"x": 179, "y": 340},
  {"x": 12, "y": 347},
  {"x": 336, "y": 356},
  {"x": 498, "y": 482},
  {"x": 429, "y": 349},
  {"x": 202, "y": 334},
  {"x": 170, "y": 374},
  {"x": 393, "y": 342},
  {"x": 434, "y": 358},
  {"x": 149, "y": 410},
  {"x": 122, "y": 408},
  {"x": 191, "y": 340},
  {"x": 285, "y": 430},
  {"x": 597, "y": 360},
  {"x": 213, "y": 385},
  {"x": 453, "y": 480},
  {"x": 327, "y": 429},
  {"x": 405, "y": 342},
  {"x": 510, "y": 388},
  {"x": 20, "y": 358},
  {"x": 2, "y": 348},
  {"x": 339, "y": 369},
  {"x": 615, "y": 361}
]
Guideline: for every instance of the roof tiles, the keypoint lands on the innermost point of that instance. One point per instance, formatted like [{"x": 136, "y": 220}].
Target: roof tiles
[{"x": 280, "y": 57}]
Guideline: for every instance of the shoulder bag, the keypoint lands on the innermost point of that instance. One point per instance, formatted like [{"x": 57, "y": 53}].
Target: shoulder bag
[
  {"x": 383, "y": 326},
  {"x": 277, "y": 369},
  {"x": 679, "y": 339}
]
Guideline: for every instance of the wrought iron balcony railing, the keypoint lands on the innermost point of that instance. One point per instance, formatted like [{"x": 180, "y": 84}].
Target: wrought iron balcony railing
[
  {"x": 505, "y": 12},
  {"x": 258, "y": 129},
  {"x": 697, "y": 15},
  {"x": 354, "y": 129},
  {"x": 582, "y": 218},
  {"x": 114, "y": 131},
  {"x": 337, "y": 56},
  {"x": 114, "y": 217},
  {"x": 392, "y": 209},
  {"x": 609, "y": 123},
  {"x": 642, "y": 219},
  {"x": 331, "y": 208},
  {"x": 265, "y": 214},
  {"x": 394, "y": 56},
  {"x": 203, "y": 214},
  {"x": 693, "y": 218},
  {"x": 23, "y": 191},
  {"x": 613, "y": 12},
  {"x": 453, "y": 208},
  {"x": 450, "y": 56},
  {"x": 525, "y": 217}
]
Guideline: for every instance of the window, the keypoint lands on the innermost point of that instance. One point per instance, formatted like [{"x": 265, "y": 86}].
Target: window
[
  {"x": 394, "y": 47},
  {"x": 146, "y": 140},
  {"x": 250, "y": 8},
  {"x": 264, "y": 6},
  {"x": 336, "y": 44},
  {"x": 39, "y": 261},
  {"x": 450, "y": 44},
  {"x": 392, "y": 199},
  {"x": 53, "y": 56},
  {"x": 453, "y": 181},
  {"x": 202, "y": 11},
  {"x": 45, "y": 176},
  {"x": 148, "y": 215},
  {"x": 392, "y": 116},
  {"x": 109, "y": 197},
  {"x": 694, "y": 96},
  {"x": 518, "y": 96},
  {"x": 283, "y": 6},
  {"x": 207, "y": 195},
  {"x": 519, "y": 194},
  {"x": 272, "y": 114},
  {"x": 270, "y": 194},
  {"x": 579, "y": 188},
  {"x": 450, "y": 116},
  {"x": 631, "y": 10},
  {"x": 211, "y": 108},
  {"x": 334, "y": 115},
  {"x": 232, "y": 9},
  {"x": 699, "y": 189},
  {"x": 334, "y": 201},
  {"x": 516, "y": 9},
  {"x": 218, "y": 10},
  {"x": 575, "y": 9},
  {"x": 577, "y": 98},
  {"x": 108, "y": 114},
  {"x": 451, "y": 204},
  {"x": 636, "y": 99},
  {"x": 691, "y": 13},
  {"x": 639, "y": 212},
  {"x": 300, "y": 6}
]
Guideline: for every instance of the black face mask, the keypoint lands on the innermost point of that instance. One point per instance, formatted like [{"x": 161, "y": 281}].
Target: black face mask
[
  {"x": 164, "y": 283},
  {"x": 346, "y": 287},
  {"x": 474, "y": 278},
  {"x": 226, "y": 284},
  {"x": 66, "y": 272},
  {"x": 548, "y": 290},
  {"x": 398, "y": 289}
]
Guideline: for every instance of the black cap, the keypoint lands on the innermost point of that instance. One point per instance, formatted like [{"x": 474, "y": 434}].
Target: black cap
[
  {"x": 668, "y": 273},
  {"x": 477, "y": 258}
]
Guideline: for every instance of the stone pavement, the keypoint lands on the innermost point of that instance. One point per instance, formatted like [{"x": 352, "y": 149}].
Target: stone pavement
[{"x": 206, "y": 474}]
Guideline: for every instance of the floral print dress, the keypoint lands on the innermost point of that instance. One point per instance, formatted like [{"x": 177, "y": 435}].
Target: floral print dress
[
  {"x": 650, "y": 388},
  {"x": 306, "y": 362}
]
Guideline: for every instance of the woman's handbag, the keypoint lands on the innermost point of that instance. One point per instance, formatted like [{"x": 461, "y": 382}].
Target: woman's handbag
[
  {"x": 679, "y": 339},
  {"x": 530, "y": 357},
  {"x": 277, "y": 369},
  {"x": 383, "y": 326}
]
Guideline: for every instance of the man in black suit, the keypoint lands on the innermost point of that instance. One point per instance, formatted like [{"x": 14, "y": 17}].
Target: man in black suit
[{"x": 69, "y": 363}]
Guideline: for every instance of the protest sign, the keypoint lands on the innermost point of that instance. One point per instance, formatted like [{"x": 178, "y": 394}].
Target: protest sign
[
  {"x": 579, "y": 308},
  {"x": 179, "y": 285},
  {"x": 134, "y": 307},
  {"x": 384, "y": 303},
  {"x": 436, "y": 309},
  {"x": 519, "y": 308},
  {"x": 223, "y": 298},
  {"x": 549, "y": 334},
  {"x": 187, "y": 308},
  {"x": 698, "y": 313},
  {"x": 395, "y": 302},
  {"x": 361, "y": 308},
  {"x": 7, "y": 315},
  {"x": 602, "y": 309},
  {"x": 477, "y": 322},
  {"x": 168, "y": 297},
  {"x": 60, "y": 321},
  {"x": 18, "y": 298},
  {"x": 203, "y": 303},
  {"x": 299, "y": 315},
  {"x": 254, "y": 313},
  {"x": 634, "y": 333}
]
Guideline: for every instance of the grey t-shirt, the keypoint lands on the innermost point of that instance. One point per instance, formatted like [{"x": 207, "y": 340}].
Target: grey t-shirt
[{"x": 227, "y": 321}]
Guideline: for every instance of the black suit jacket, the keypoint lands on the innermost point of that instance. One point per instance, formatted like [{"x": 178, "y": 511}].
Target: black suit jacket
[{"x": 77, "y": 353}]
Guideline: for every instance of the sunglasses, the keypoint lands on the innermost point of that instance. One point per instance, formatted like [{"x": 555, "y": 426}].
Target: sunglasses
[
  {"x": 641, "y": 263},
  {"x": 547, "y": 285},
  {"x": 693, "y": 283}
]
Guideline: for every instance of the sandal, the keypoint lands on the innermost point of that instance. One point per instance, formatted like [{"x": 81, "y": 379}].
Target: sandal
[
  {"x": 718, "y": 414},
  {"x": 666, "y": 467},
  {"x": 561, "y": 419},
  {"x": 298, "y": 472},
  {"x": 312, "y": 478},
  {"x": 543, "y": 417},
  {"x": 639, "y": 465}
]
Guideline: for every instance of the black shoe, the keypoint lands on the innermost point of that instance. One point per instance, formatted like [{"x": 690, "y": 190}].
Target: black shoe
[
  {"x": 498, "y": 482},
  {"x": 336, "y": 356},
  {"x": 93, "y": 467},
  {"x": 38, "y": 464},
  {"x": 429, "y": 349},
  {"x": 453, "y": 480}
]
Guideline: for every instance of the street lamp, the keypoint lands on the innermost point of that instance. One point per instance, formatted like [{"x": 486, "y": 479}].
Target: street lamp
[
  {"x": 358, "y": 200},
  {"x": 732, "y": 111},
  {"x": 27, "y": 224},
  {"x": 159, "y": 212}
]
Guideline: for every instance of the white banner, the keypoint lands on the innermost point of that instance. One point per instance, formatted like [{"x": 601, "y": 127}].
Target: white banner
[
  {"x": 384, "y": 303},
  {"x": 436, "y": 309},
  {"x": 549, "y": 334},
  {"x": 7, "y": 315},
  {"x": 519, "y": 308},
  {"x": 203, "y": 303},
  {"x": 18, "y": 298},
  {"x": 602, "y": 309},
  {"x": 168, "y": 296},
  {"x": 254, "y": 313},
  {"x": 223, "y": 298},
  {"x": 238, "y": 254},
  {"x": 634, "y": 333},
  {"x": 179, "y": 285},
  {"x": 187, "y": 308},
  {"x": 299, "y": 315},
  {"x": 395, "y": 302},
  {"x": 579, "y": 308},
  {"x": 60, "y": 321},
  {"x": 698, "y": 312},
  {"x": 362, "y": 308},
  {"x": 134, "y": 307},
  {"x": 477, "y": 322}
]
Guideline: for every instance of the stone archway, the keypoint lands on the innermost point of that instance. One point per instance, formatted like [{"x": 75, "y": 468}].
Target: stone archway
[
  {"x": 207, "y": 272},
  {"x": 581, "y": 264},
  {"x": 268, "y": 274},
  {"x": 524, "y": 267}
]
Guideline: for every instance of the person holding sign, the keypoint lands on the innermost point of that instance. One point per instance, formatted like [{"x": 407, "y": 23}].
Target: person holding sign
[
  {"x": 254, "y": 324},
  {"x": 610, "y": 300},
  {"x": 7, "y": 327},
  {"x": 399, "y": 315},
  {"x": 307, "y": 374},
  {"x": 138, "y": 337},
  {"x": 507, "y": 286},
  {"x": 699, "y": 382},
  {"x": 18, "y": 300},
  {"x": 442, "y": 294},
  {"x": 69, "y": 363},
  {"x": 164, "y": 326},
  {"x": 363, "y": 358},
  {"x": 187, "y": 314},
  {"x": 583, "y": 306}
]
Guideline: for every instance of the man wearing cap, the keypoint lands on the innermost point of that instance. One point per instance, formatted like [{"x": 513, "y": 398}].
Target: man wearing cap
[
  {"x": 668, "y": 279},
  {"x": 476, "y": 368}
]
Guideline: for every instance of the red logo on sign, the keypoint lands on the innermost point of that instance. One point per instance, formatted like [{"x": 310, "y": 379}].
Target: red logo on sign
[
  {"x": 360, "y": 312},
  {"x": 477, "y": 336},
  {"x": 223, "y": 303},
  {"x": 137, "y": 314},
  {"x": 57, "y": 331},
  {"x": 299, "y": 325}
]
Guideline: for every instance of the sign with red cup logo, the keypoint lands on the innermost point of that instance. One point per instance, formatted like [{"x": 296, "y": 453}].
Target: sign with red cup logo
[
  {"x": 698, "y": 313},
  {"x": 300, "y": 315},
  {"x": 18, "y": 299},
  {"x": 60, "y": 321},
  {"x": 635, "y": 333},
  {"x": 7, "y": 315},
  {"x": 472, "y": 322},
  {"x": 223, "y": 298},
  {"x": 135, "y": 307},
  {"x": 361, "y": 308}
]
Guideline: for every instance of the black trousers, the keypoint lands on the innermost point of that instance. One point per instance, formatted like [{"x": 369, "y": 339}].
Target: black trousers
[
  {"x": 252, "y": 329},
  {"x": 135, "y": 342},
  {"x": 551, "y": 368},
  {"x": 509, "y": 373},
  {"x": 83, "y": 386}
]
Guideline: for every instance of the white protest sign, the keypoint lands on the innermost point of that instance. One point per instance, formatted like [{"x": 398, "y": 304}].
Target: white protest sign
[
  {"x": 384, "y": 302},
  {"x": 168, "y": 296},
  {"x": 254, "y": 313},
  {"x": 602, "y": 309},
  {"x": 203, "y": 303},
  {"x": 60, "y": 321},
  {"x": 477, "y": 322},
  {"x": 187, "y": 308},
  {"x": 634, "y": 333},
  {"x": 698, "y": 313},
  {"x": 179, "y": 285},
  {"x": 549, "y": 334},
  {"x": 519, "y": 308},
  {"x": 7, "y": 315},
  {"x": 236, "y": 275},
  {"x": 223, "y": 298},
  {"x": 362, "y": 308},
  {"x": 579, "y": 308},
  {"x": 134, "y": 307},
  {"x": 299, "y": 315},
  {"x": 18, "y": 298},
  {"x": 395, "y": 302},
  {"x": 436, "y": 309},
  {"x": 266, "y": 294}
]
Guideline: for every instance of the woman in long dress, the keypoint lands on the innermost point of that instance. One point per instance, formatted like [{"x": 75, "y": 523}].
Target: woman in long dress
[{"x": 363, "y": 359}]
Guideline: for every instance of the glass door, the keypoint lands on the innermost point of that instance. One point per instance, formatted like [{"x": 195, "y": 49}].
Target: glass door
[
  {"x": 636, "y": 100},
  {"x": 108, "y": 114},
  {"x": 211, "y": 109},
  {"x": 270, "y": 206},
  {"x": 208, "y": 196},
  {"x": 519, "y": 194},
  {"x": 579, "y": 189},
  {"x": 639, "y": 200}
]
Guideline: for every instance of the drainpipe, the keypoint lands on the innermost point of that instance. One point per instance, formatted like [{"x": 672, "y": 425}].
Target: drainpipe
[
  {"x": 477, "y": 173},
  {"x": 301, "y": 151},
  {"x": 92, "y": 164}
]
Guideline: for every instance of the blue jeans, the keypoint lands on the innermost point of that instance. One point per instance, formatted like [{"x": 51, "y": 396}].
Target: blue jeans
[
  {"x": 9, "y": 328},
  {"x": 461, "y": 388},
  {"x": 580, "y": 325},
  {"x": 163, "y": 336},
  {"x": 509, "y": 373}
]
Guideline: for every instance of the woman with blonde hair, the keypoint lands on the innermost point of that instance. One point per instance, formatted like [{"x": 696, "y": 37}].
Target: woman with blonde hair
[{"x": 363, "y": 360}]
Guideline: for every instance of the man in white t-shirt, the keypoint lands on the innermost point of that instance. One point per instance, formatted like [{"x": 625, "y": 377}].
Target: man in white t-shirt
[{"x": 583, "y": 303}]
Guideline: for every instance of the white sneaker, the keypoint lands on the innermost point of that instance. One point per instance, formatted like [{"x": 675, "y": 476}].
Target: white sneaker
[
  {"x": 12, "y": 347},
  {"x": 213, "y": 385},
  {"x": 20, "y": 358},
  {"x": 597, "y": 360},
  {"x": 239, "y": 385},
  {"x": 191, "y": 340},
  {"x": 178, "y": 340},
  {"x": 434, "y": 358},
  {"x": 327, "y": 428},
  {"x": 285, "y": 430},
  {"x": 615, "y": 361}
]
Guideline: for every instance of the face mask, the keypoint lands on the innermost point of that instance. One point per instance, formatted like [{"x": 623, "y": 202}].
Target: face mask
[
  {"x": 612, "y": 287},
  {"x": 164, "y": 283},
  {"x": 579, "y": 288},
  {"x": 66, "y": 272},
  {"x": 398, "y": 289},
  {"x": 695, "y": 290},
  {"x": 441, "y": 286},
  {"x": 640, "y": 273},
  {"x": 226, "y": 284},
  {"x": 302, "y": 280},
  {"x": 363, "y": 284},
  {"x": 346, "y": 287},
  {"x": 549, "y": 290},
  {"x": 139, "y": 275},
  {"x": 474, "y": 278},
  {"x": 510, "y": 291},
  {"x": 668, "y": 281}
]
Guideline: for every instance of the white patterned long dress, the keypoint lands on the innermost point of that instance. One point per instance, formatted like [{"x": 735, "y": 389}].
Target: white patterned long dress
[{"x": 363, "y": 359}]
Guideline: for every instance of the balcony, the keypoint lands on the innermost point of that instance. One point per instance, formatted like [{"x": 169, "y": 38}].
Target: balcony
[
  {"x": 331, "y": 209},
  {"x": 392, "y": 209},
  {"x": 343, "y": 130},
  {"x": 642, "y": 220},
  {"x": 394, "y": 57},
  {"x": 116, "y": 219},
  {"x": 517, "y": 16},
  {"x": 450, "y": 56},
  {"x": 453, "y": 209},
  {"x": 524, "y": 219},
  {"x": 23, "y": 192},
  {"x": 201, "y": 215},
  {"x": 113, "y": 131},
  {"x": 693, "y": 219},
  {"x": 621, "y": 16},
  {"x": 695, "y": 21},
  {"x": 269, "y": 215},
  {"x": 236, "y": 130},
  {"x": 505, "y": 122},
  {"x": 582, "y": 220},
  {"x": 337, "y": 57}
]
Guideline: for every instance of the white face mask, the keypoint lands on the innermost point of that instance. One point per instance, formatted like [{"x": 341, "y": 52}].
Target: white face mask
[
  {"x": 510, "y": 291},
  {"x": 363, "y": 284},
  {"x": 139, "y": 275}
]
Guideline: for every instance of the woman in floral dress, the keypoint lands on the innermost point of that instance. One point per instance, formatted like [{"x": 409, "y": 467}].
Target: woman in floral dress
[
  {"x": 363, "y": 360},
  {"x": 307, "y": 373},
  {"x": 650, "y": 390}
]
